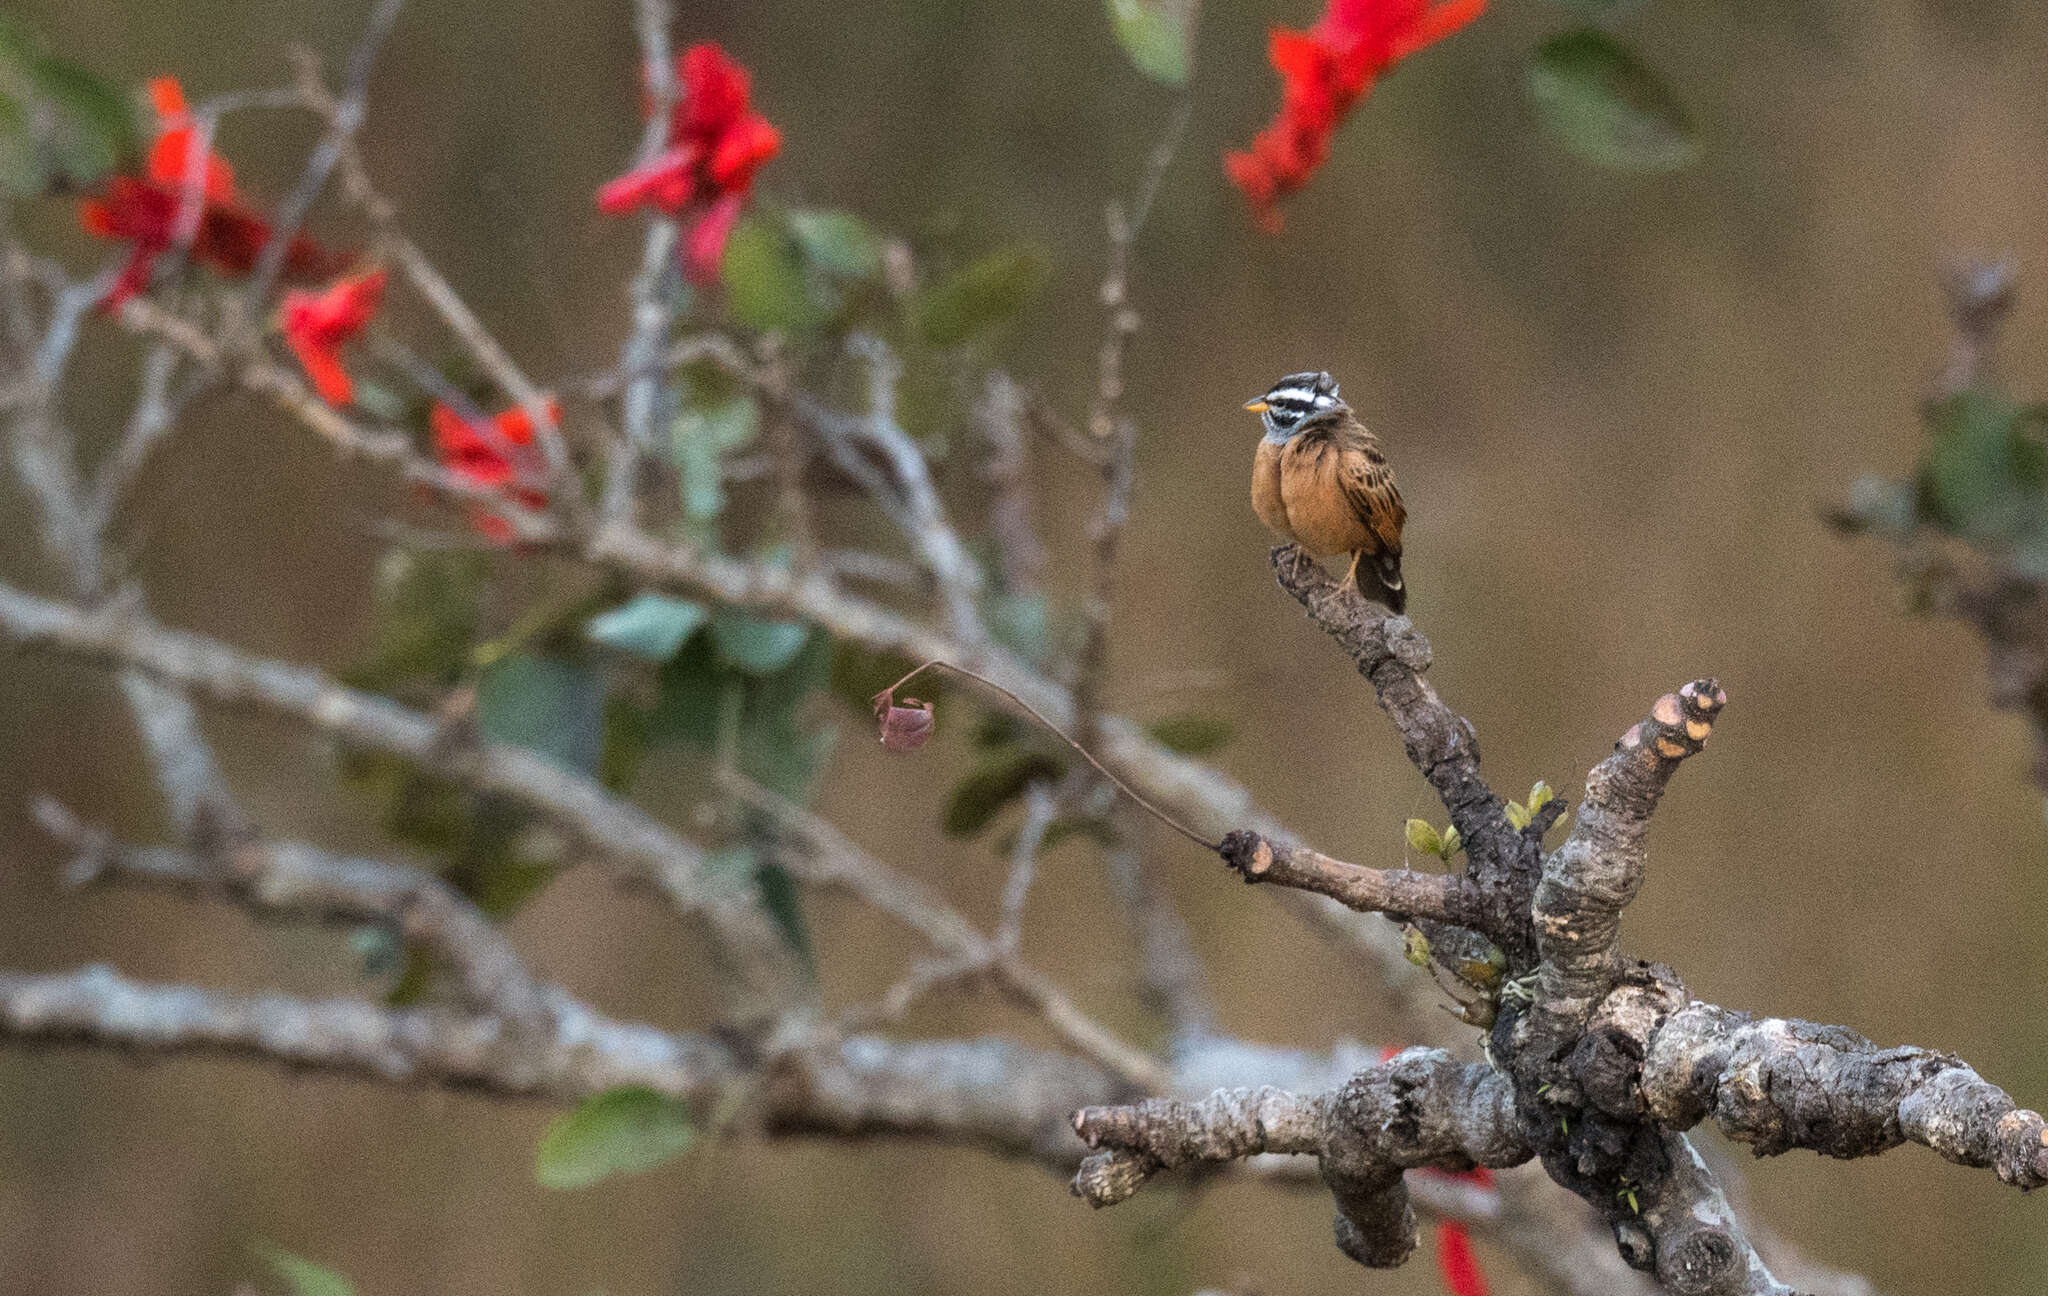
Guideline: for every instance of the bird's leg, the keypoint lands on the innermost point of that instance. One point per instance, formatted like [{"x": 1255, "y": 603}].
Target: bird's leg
[{"x": 1351, "y": 576}]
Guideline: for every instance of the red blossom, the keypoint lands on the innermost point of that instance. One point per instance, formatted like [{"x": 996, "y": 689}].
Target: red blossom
[
  {"x": 716, "y": 142},
  {"x": 316, "y": 325},
  {"x": 1455, "y": 1261},
  {"x": 1324, "y": 72},
  {"x": 497, "y": 455},
  {"x": 144, "y": 210}
]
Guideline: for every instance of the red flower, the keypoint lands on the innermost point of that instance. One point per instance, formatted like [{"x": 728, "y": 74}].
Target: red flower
[
  {"x": 1324, "y": 72},
  {"x": 496, "y": 455},
  {"x": 144, "y": 211},
  {"x": 716, "y": 142},
  {"x": 315, "y": 326},
  {"x": 1454, "y": 1259}
]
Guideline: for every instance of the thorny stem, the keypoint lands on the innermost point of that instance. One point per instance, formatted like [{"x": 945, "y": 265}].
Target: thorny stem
[{"x": 888, "y": 693}]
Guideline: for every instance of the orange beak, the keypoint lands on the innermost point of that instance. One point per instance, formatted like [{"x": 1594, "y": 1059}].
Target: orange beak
[{"x": 1258, "y": 406}]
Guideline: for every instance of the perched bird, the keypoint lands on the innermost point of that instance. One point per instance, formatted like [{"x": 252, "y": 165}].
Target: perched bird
[{"x": 1321, "y": 480}]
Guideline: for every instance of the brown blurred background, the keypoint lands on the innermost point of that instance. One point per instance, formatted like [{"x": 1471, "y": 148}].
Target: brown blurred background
[{"x": 1617, "y": 405}]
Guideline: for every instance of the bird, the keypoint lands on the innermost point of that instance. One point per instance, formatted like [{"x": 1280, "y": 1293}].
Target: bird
[{"x": 1321, "y": 479}]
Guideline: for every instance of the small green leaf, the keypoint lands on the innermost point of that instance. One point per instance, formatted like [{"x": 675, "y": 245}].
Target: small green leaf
[
  {"x": 301, "y": 1276},
  {"x": 701, "y": 435},
  {"x": 428, "y": 609},
  {"x": 1453, "y": 840},
  {"x": 1605, "y": 106},
  {"x": 982, "y": 294},
  {"x": 546, "y": 704},
  {"x": 1415, "y": 945},
  {"x": 1424, "y": 838},
  {"x": 765, "y": 285},
  {"x": 784, "y": 757},
  {"x": 1600, "y": 9},
  {"x": 651, "y": 626},
  {"x": 992, "y": 782},
  {"x": 837, "y": 242},
  {"x": 1540, "y": 794},
  {"x": 1984, "y": 473},
  {"x": 93, "y": 126},
  {"x": 1158, "y": 35},
  {"x": 1518, "y": 815},
  {"x": 1192, "y": 733},
  {"x": 1022, "y": 622},
  {"x": 784, "y": 903},
  {"x": 620, "y": 1131},
  {"x": 754, "y": 644},
  {"x": 686, "y": 707}
]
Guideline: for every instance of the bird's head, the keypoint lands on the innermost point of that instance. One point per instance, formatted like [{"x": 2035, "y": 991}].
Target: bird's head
[{"x": 1296, "y": 402}]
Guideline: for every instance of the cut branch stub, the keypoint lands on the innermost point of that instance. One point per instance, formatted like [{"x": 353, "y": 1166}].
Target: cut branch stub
[{"x": 1590, "y": 879}]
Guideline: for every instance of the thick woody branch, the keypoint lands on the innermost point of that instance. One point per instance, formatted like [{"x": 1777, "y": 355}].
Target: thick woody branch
[
  {"x": 300, "y": 880},
  {"x": 1777, "y": 1084},
  {"x": 1404, "y": 893},
  {"x": 1418, "y": 1109},
  {"x": 1392, "y": 655},
  {"x": 1590, "y": 879},
  {"x": 988, "y": 1093}
]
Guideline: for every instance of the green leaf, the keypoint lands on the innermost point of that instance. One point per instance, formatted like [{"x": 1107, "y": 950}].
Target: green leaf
[
  {"x": 691, "y": 688},
  {"x": 765, "y": 284},
  {"x": 92, "y": 123},
  {"x": 701, "y": 435},
  {"x": 60, "y": 126},
  {"x": 784, "y": 757},
  {"x": 301, "y": 1276},
  {"x": 1158, "y": 35},
  {"x": 1424, "y": 837},
  {"x": 545, "y": 704},
  {"x": 428, "y": 610},
  {"x": 1518, "y": 815},
  {"x": 1984, "y": 473},
  {"x": 650, "y": 626},
  {"x": 838, "y": 243},
  {"x": 784, "y": 903},
  {"x": 1540, "y": 794},
  {"x": 978, "y": 296},
  {"x": 1453, "y": 841},
  {"x": 620, "y": 1131},
  {"x": 1023, "y": 624},
  {"x": 1193, "y": 733},
  {"x": 1600, "y": 9},
  {"x": 992, "y": 782},
  {"x": 21, "y": 173},
  {"x": 626, "y": 739},
  {"x": 1605, "y": 106},
  {"x": 756, "y": 645}
]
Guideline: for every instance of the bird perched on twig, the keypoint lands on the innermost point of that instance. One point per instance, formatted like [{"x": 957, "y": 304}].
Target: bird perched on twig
[{"x": 1321, "y": 480}]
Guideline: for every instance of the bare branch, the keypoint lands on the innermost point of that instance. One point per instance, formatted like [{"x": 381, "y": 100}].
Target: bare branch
[
  {"x": 1593, "y": 876},
  {"x": 819, "y": 853},
  {"x": 1444, "y": 897},
  {"x": 619, "y": 831},
  {"x": 1420, "y": 1108}
]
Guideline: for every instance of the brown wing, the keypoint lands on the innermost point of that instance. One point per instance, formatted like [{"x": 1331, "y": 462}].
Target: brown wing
[{"x": 1369, "y": 486}]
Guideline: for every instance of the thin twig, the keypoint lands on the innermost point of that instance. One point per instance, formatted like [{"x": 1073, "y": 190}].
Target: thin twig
[{"x": 1039, "y": 716}]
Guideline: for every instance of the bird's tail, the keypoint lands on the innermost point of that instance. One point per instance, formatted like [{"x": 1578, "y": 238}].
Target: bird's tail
[{"x": 1379, "y": 579}]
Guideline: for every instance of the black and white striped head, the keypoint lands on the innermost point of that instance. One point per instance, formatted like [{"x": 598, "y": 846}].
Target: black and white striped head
[{"x": 1295, "y": 402}]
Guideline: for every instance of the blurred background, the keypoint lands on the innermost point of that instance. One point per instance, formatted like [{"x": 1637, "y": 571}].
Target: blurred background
[{"x": 1618, "y": 405}]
